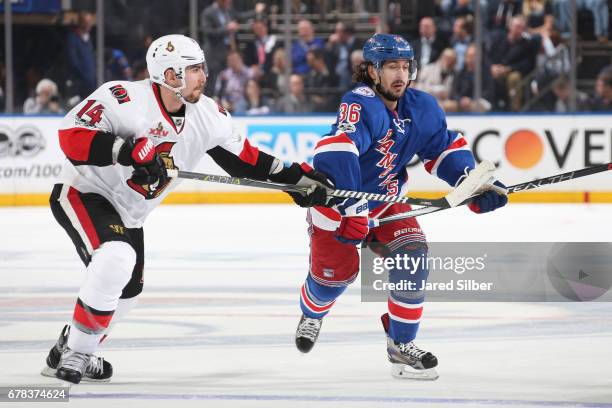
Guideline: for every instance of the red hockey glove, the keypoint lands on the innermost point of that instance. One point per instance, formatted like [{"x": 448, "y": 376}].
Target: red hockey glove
[
  {"x": 354, "y": 224},
  {"x": 148, "y": 166}
]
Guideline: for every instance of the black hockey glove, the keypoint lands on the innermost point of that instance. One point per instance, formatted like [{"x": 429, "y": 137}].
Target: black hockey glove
[
  {"x": 306, "y": 176},
  {"x": 148, "y": 166}
]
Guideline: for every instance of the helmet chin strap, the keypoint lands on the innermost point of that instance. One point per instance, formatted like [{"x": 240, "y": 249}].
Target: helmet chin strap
[{"x": 177, "y": 91}]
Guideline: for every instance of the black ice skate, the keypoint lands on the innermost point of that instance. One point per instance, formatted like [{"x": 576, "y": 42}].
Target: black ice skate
[
  {"x": 98, "y": 369},
  {"x": 407, "y": 360},
  {"x": 307, "y": 333},
  {"x": 72, "y": 366}
]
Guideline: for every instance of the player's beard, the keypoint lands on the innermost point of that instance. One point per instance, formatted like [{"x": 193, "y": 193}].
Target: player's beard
[
  {"x": 194, "y": 96},
  {"x": 387, "y": 94}
]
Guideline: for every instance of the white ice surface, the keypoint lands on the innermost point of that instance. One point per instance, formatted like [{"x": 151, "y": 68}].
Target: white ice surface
[{"x": 216, "y": 320}]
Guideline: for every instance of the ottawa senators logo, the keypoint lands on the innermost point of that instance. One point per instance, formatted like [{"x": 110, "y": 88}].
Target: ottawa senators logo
[
  {"x": 120, "y": 93},
  {"x": 150, "y": 192},
  {"x": 169, "y": 47}
]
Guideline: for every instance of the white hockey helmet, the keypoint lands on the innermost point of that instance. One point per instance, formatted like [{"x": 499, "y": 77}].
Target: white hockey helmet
[{"x": 173, "y": 51}]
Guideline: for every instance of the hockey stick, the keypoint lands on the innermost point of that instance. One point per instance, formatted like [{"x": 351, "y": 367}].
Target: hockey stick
[
  {"x": 528, "y": 185},
  {"x": 474, "y": 181}
]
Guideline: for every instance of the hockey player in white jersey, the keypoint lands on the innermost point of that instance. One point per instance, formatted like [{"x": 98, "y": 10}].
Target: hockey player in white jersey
[{"x": 119, "y": 142}]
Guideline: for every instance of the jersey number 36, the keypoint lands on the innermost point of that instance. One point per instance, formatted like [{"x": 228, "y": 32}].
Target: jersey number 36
[{"x": 349, "y": 113}]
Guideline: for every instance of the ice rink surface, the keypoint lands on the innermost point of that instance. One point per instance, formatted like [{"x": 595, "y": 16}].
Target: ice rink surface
[{"x": 216, "y": 320}]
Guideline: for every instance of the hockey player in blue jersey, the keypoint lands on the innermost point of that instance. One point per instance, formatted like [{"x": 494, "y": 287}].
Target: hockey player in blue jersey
[{"x": 381, "y": 125}]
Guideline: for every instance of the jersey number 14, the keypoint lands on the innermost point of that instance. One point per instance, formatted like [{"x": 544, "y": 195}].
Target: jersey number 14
[{"x": 94, "y": 114}]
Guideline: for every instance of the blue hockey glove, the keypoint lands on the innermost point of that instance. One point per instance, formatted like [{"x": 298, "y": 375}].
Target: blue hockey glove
[{"x": 490, "y": 200}]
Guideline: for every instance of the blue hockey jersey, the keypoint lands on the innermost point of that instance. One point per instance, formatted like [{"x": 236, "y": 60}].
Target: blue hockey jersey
[{"x": 369, "y": 146}]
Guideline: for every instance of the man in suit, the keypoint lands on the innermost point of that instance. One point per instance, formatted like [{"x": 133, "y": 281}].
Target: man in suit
[
  {"x": 511, "y": 56},
  {"x": 340, "y": 45},
  {"x": 259, "y": 51},
  {"x": 219, "y": 26},
  {"x": 429, "y": 45}
]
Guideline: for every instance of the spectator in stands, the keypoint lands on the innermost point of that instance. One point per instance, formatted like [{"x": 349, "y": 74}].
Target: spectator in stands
[
  {"x": 561, "y": 92},
  {"x": 539, "y": 16},
  {"x": 552, "y": 62},
  {"x": 219, "y": 23},
  {"x": 295, "y": 101},
  {"x": 46, "y": 101},
  {"x": 300, "y": 47},
  {"x": 461, "y": 8},
  {"x": 437, "y": 78},
  {"x": 256, "y": 104},
  {"x": 276, "y": 78},
  {"x": 259, "y": 52},
  {"x": 394, "y": 19},
  {"x": 429, "y": 45},
  {"x": 81, "y": 57},
  {"x": 603, "y": 91},
  {"x": 511, "y": 56},
  {"x": 140, "y": 71},
  {"x": 461, "y": 39},
  {"x": 462, "y": 93},
  {"x": 356, "y": 59},
  {"x": 117, "y": 66},
  {"x": 320, "y": 83},
  {"x": 341, "y": 43},
  {"x": 599, "y": 9},
  {"x": 501, "y": 12},
  {"x": 231, "y": 82}
]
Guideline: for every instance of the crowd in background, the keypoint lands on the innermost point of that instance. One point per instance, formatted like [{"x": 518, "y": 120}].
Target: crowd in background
[{"x": 525, "y": 56}]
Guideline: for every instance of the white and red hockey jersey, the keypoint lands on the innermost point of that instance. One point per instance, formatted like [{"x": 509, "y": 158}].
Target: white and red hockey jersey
[{"x": 135, "y": 109}]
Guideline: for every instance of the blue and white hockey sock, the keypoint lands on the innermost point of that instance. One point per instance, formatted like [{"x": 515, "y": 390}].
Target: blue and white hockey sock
[{"x": 316, "y": 300}]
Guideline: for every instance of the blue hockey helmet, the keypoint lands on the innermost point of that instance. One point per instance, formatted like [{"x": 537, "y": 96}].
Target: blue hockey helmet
[{"x": 384, "y": 47}]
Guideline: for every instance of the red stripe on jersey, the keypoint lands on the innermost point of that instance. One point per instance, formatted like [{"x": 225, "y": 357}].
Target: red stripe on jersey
[
  {"x": 162, "y": 108},
  {"x": 404, "y": 312},
  {"x": 430, "y": 165},
  {"x": 341, "y": 138},
  {"x": 249, "y": 154},
  {"x": 76, "y": 142},
  {"x": 311, "y": 305},
  {"x": 329, "y": 213},
  {"x": 91, "y": 318},
  {"x": 455, "y": 145},
  {"x": 83, "y": 216}
]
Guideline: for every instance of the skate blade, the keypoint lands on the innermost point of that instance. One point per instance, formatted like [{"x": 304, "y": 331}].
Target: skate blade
[
  {"x": 91, "y": 380},
  {"x": 50, "y": 372},
  {"x": 66, "y": 384},
  {"x": 405, "y": 372}
]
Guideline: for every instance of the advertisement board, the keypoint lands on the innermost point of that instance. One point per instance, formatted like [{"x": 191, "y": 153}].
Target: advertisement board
[{"x": 524, "y": 147}]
